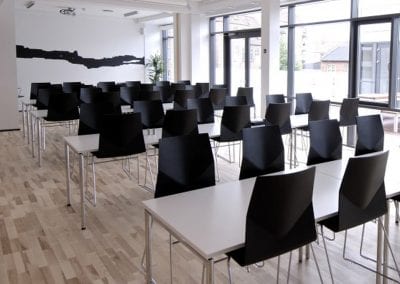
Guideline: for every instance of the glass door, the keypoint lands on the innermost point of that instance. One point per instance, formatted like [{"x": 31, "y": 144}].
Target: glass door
[
  {"x": 237, "y": 64},
  {"x": 373, "y": 62}
]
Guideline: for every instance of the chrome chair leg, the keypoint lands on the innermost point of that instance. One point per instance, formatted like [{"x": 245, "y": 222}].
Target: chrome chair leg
[
  {"x": 278, "y": 269},
  {"x": 216, "y": 147},
  {"x": 94, "y": 182},
  {"x": 229, "y": 270},
  {"x": 316, "y": 263},
  {"x": 326, "y": 254},
  {"x": 170, "y": 257},
  {"x": 290, "y": 262},
  {"x": 396, "y": 206}
]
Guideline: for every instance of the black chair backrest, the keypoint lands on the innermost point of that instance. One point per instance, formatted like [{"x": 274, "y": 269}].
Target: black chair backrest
[
  {"x": 219, "y": 86},
  {"x": 43, "y": 97},
  {"x": 152, "y": 113},
  {"x": 205, "y": 111},
  {"x": 129, "y": 94},
  {"x": 91, "y": 116},
  {"x": 370, "y": 134},
  {"x": 72, "y": 87},
  {"x": 279, "y": 114},
  {"x": 147, "y": 87},
  {"x": 319, "y": 110},
  {"x": 90, "y": 95},
  {"x": 184, "y": 82},
  {"x": 147, "y": 95},
  {"x": 236, "y": 101},
  {"x": 166, "y": 94},
  {"x": 193, "y": 164},
  {"x": 303, "y": 103},
  {"x": 177, "y": 86},
  {"x": 180, "y": 122},
  {"x": 62, "y": 107},
  {"x": 325, "y": 141},
  {"x": 196, "y": 89},
  {"x": 274, "y": 99},
  {"x": 280, "y": 217},
  {"x": 181, "y": 97},
  {"x": 248, "y": 93},
  {"x": 120, "y": 135},
  {"x": 362, "y": 195},
  {"x": 108, "y": 86},
  {"x": 263, "y": 151},
  {"x": 133, "y": 84},
  {"x": 348, "y": 112},
  {"x": 163, "y": 83},
  {"x": 112, "y": 98},
  {"x": 35, "y": 89},
  {"x": 217, "y": 96},
  {"x": 234, "y": 120},
  {"x": 205, "y": 89}
]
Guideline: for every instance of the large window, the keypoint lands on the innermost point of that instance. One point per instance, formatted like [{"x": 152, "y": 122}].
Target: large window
[
  {"x": 322, "y": 60},
  {"x": 168, "y": 54}
]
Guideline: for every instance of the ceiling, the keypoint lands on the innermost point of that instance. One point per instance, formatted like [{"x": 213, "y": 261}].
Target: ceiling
[{"x": 142, "y": 10}]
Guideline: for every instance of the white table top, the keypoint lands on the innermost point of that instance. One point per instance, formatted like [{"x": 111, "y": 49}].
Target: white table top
[
  {"x": 90, "y": 143},
  {"x": 212, "y": 220}
]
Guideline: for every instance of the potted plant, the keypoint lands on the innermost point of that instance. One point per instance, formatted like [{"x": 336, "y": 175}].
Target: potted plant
[{"x": 155, "y": 67}]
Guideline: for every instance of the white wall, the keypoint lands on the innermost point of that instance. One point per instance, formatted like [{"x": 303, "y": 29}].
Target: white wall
[
  {"x": 152, "y": 43},
  {"x": 91, "y": 37},
  {"x": 8, "y": 80}
]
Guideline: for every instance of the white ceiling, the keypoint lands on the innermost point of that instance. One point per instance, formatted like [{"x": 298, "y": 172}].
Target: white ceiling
[{"x": 145, "y": 9}]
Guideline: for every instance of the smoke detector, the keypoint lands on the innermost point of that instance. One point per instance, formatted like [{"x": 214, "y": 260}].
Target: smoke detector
[{"x": 68, "y": 11}]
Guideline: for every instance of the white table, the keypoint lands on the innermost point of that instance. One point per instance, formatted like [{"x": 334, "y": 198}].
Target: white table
[
  {"x": 187, "y": 216},
  {"x": 85, "y": 144}
]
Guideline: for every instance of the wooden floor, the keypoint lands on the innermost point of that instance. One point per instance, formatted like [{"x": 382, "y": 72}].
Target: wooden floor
[{"x": 41, "y": 240}]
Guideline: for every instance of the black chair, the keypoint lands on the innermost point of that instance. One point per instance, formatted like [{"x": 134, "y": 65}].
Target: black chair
[
  {"x": 166, "y": 94},
  {"x": 184, "y": 82},
  {"x": 42, "y": 99},
  {"x": 133, "y": 84},
  {"x": 370, "y": 134},
  {"x": 348, "y": 112},
  {"x": 219, "y": 86},
  {"x": 184, "y": 175},
  {"x": 280, "y": 218},
  {"x": 152, "y": 113},
  {"x": 113, "y": 99},
  {"x": 274, "y": 99},
  {"x": 319, "y": 110},
  {"x": 279, "y": 114},
  {"x": 362, "y": 197},
  {"x": 62, "y": 107},
  {"x": 107, "y": 86},
  {"x": 205, "y": 89},
  {"x": 180, "y": 122},
  {"x": 90, "y": 95},
  {"x": 72, "y": 88},
  {"x": 162, "y": 83},
  {"x": 91, "y": 116},
  {"x": 177, "y": 86},
  {"x": 129, "y": 94},
  {"x": 205, "y": 111},
  {"x": 147, "y": 87},
  {"x": 147, "y": 95},
  {"x": 303, "y": 103},
  {"x": 234, "y": 120},
  {"x": 235, "y": 101},
  {"x": 217, "y": 96},
  {"x": 325, "y": 141},
  {"x": 181, "y": 97},
  {"x": 121, "y": 137},
  {"x": 263, "y": 151},
  {"x": 248, "y": 93},
  {"x": 35, "y": 89}
]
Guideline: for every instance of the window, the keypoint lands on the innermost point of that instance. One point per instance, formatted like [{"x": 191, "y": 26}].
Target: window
[
  {"x": 378, "y": 7},
  {"x": 283, "y": 61},
  {"x": 244, "y": 21},
  {"x": 322, "y": 11},
  {"x": 219, "y": 59},
  {"x": 322, "y": 60},
  {"x": 168, "y": 54}
]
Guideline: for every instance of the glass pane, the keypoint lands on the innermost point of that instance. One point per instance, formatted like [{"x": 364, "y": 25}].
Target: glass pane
[
  {"x": 244, "y": 21},
  {"x": 375, "y": 7},
  {"x": 283, "y": 58},
  {"x": 322, "y": 11},
  {"x": 398, "y": 76},
  {"x": 255, "y": 69},
  {"x": 170, "y": 59},
  {"x": 219, "y": 58},
  {"x": 218, "y": 24},
  {"x": 284, "y": 16},
  {"x": 322, "y": 60},
  {"x": 237, "y": 64},
  {"x": 374, "y": 62}
]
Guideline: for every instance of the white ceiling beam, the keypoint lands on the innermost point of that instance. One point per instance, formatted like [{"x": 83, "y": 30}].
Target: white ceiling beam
[{"x": 153, "y": 17}]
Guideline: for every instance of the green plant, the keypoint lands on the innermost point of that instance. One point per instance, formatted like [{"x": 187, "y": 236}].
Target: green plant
[{"x": 155, "y": 67}]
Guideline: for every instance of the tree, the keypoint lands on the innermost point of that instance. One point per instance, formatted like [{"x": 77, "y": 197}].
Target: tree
[{"x": 155, "y": 67}]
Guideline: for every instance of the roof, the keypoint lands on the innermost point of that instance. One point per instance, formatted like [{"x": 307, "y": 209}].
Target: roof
[{"x": 340, "y": 53}]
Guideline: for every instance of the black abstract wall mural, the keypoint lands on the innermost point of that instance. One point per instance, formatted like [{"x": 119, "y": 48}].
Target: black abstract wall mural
[{"x": 75, "y": 58}]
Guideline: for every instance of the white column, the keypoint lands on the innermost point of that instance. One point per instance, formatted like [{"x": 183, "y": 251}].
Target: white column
[
  {"x": 270, "y": 36},
  {"x": 8, "y": 67},
  {"x": 182, "y": 45},
  {"x": 200, "y": 49}
]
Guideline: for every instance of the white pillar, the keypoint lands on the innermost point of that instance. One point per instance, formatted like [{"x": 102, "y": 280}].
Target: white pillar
[
  {"x": 182, "y": 45},
  {"x": 270, "y": 37},
  {"x": 8, "y": 67},
  {"x": 200, "y": 49}
]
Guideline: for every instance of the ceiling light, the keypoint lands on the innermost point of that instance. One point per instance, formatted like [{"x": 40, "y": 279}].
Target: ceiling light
[
  {"x": 29, "y": 4},
  {"x": 68, "y": 11},
  {"x": 108, "y": 11},
  {"x": 130, "y": 13}
]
